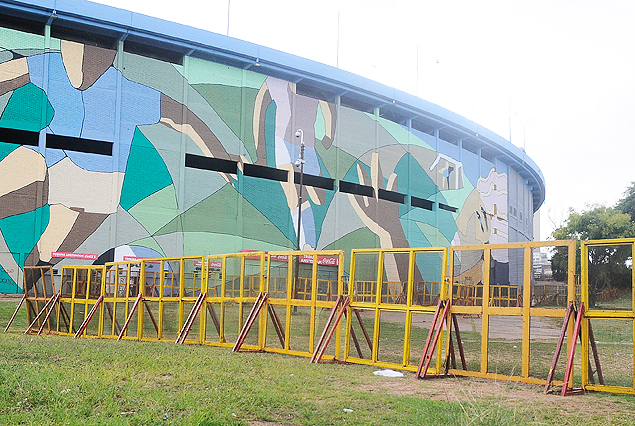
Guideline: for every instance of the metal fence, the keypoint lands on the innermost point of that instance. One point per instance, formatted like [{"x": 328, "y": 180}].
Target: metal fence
[{"x": 468, "y": 310}]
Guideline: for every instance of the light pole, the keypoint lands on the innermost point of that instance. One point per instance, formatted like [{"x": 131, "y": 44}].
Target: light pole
[{"x": 299, "y": 162}]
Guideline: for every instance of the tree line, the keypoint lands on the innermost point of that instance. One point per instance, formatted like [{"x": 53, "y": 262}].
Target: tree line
[{"x": 609, "y": 266}]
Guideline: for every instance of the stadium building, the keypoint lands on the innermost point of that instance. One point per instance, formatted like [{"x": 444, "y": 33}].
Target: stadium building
[{"x": 124, "y": 136}]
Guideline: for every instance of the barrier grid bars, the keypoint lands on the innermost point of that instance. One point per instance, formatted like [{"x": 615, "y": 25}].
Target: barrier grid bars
[
  {"x": 290, "y": 302},
  {"x": 91, "y": 281},
  {"x": 67, "y": 292},
  {"x": 378, "y": 306},
  {"x": 121, "y": 286},
  {"x": 228, "y": 297},
  {"x": 589, "y": 314},
  {"x": 526, "y": 311},
  {"x": 187, "y": 271},
  {"x": 34, "y": 301}
]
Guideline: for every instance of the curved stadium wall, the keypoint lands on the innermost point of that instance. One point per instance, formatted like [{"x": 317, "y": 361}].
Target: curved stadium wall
[{"x": 125, "y": 136}]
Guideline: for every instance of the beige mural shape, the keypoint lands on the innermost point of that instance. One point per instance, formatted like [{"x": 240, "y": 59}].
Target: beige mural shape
[
  {"x": 20, "y": 168},
  {"x": 73, "y": 186},
  {"x": 61, "y": 221},
  {"x": 13, "y": 69},
  {"x": 73, "y": 59}
]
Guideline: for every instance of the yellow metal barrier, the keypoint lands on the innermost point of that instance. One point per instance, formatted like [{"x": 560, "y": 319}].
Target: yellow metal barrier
[
  {"x": 302, "y": 288},
  {"x": 386, "y": 321},
  {"x": 39, "y": 288},
  {"x": 393, "y": 295},
  {"x": 233, "y": 283},
  {"x": 608, "y": 294},
  {"x": 81, "y": 287},
  {"x": 499, "y": 336}
]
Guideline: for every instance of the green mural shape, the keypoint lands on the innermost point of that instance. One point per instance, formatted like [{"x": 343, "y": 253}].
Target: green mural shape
[
  {"x": 358, "y": 239},
  {"x": 17, "y": 40},
  {"x": 203, "y": 71},
  {"x": 150, "y": 243},
  {"x": 230, "y": 103},
  {"x": 7, "y": 284},
  {"x": 24, "y": 110},
  {"x": 334, "y": 160},
  {"x": 353, "y": 177},
  {"x": 197, "y": 243},
  {"x": 13, "y": 230},
  {"x": 399, "y": 132},
  {"x": 146, "y": 173},
  {"x": 413, "y": 179},
  {"x": 273, "y": 206},
  {"x": 432, "y": 234},
  {"x": 320, "y": 211},
  {"x": 256, "y": 226},
  {"x": 270, "y": 134},
  {"x": 154, "y": 211},
  {"x": 320, "y": 124}
]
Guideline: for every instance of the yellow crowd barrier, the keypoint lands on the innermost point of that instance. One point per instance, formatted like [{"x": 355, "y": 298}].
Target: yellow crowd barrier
[{"x": 283, "y": 301}]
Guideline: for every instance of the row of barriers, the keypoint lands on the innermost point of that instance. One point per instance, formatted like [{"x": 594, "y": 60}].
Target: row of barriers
[{"x": 419, "y": 309}]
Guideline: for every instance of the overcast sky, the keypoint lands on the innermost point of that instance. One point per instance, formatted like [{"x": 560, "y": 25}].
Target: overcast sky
[{"x": 559, "y": 76}]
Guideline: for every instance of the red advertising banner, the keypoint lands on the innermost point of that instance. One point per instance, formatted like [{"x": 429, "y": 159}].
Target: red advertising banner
[
  {"x": 133, "y": 258},
  {"x": 65, "y": 255},
  {"x": 305, "y": 258},
  {"x": 212, "y": 264}
]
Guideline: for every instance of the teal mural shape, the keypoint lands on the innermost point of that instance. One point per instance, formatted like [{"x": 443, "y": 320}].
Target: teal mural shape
[
  {"x": 15, "y": 230},
  {"x": 28, "y": 109},
  {"x": 146, "y": 173}
]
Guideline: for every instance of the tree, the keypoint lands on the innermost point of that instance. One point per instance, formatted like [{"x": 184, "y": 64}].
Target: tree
[
  {"x": 608, "y": 265},
  {"x": 627, "y": 204}
]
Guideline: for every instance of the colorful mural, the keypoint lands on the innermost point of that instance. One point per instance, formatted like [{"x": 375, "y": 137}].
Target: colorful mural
[{"x": 99, "y": 164}]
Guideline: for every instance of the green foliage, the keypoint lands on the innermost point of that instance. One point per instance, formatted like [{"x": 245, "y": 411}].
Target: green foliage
[
  {"x": 608, "y": 265},
  {"x": 627, "y": 204}
]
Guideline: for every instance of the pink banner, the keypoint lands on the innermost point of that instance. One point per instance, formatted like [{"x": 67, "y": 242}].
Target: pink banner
[
  {"x": 133, "y": 258},
  {"x": 65, "y": 255},
  {"x": 305, "y": 258}
]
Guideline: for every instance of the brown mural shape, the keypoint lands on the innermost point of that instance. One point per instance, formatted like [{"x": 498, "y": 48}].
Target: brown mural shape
[
  {"x": 261, "y": 142},
  {"x": 26, "y": 199},
  {"x": 172, "y": 115},
  {"x": 84, "y": 226},
  {"x": 9, "y": 85},
  {"x": 381, "y": 217},
  {"x": 96, "y": 61}
]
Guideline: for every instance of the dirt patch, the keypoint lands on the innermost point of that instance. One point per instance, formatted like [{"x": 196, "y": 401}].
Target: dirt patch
[
  {"x": 521, "y": 396},
  {"x": 10, "y": 297}
]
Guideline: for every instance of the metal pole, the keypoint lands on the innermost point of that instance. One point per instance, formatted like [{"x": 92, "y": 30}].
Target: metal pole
[
  {"x": 299, "y": 134},
  {"x": 228, "y": 8}
]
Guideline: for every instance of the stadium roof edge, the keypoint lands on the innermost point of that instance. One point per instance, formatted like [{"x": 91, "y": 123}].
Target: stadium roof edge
[{"x": 188, "y": 40}]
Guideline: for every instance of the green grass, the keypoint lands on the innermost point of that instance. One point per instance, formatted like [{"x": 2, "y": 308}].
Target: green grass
[{"x": 59, "y": 380}]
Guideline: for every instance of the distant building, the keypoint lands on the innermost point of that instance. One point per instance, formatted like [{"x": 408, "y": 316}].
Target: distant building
[{"x": 541, "y": 266}]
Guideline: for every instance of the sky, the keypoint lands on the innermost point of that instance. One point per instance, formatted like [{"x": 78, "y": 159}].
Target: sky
[{"x": 556, "y": 77}]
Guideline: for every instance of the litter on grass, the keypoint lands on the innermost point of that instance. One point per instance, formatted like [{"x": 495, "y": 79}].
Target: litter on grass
[{"x": 388, "y": 373}]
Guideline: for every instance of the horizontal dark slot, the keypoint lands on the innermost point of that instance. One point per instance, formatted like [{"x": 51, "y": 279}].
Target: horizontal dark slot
[
  {"x": 78, "y": 144},
  {"x": 22, "y": 24},
  {"x": 154, "y": 52},
  {"x": 446, "y": 207},
  {"x": 315, "y": 181},
  {"x": 396, "y": 197},
  {"x": 89, "y": 38},
  {"x": 421, "y": 202},
  {"x": 265, "y": 172},
  {"x": 210, "y": 163},
  {"x": 20, "y": 137},
  {"x": 357, "y": 189}
]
